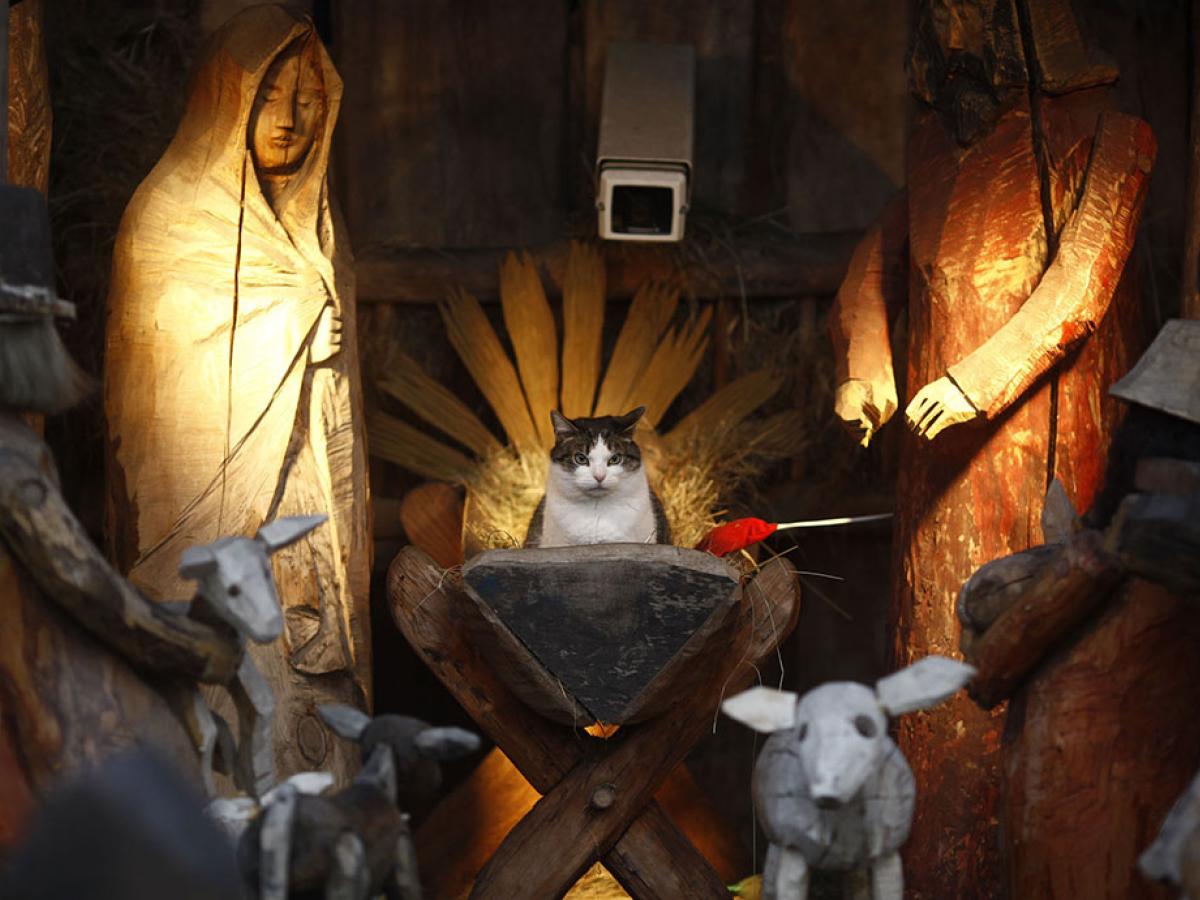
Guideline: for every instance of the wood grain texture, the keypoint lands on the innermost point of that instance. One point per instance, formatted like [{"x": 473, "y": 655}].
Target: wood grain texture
[
  {"x": 82, "y": 655},
  {"x": 977, "y": 249},
  {"x": 1051, "y": 605},
  {"x": 1102, "y": 741},
  {"x": 457, "y": 840},
  {"x": 30, "y": 119},
  {"x": 761, "y": 264},
  {"x": 466, "y": 104},
  {"x": 604, "y": 621},
  {"x": 432, "y": 516},
  {"x": 424, "y": 606},
  {"x": 232, "y": 389}
]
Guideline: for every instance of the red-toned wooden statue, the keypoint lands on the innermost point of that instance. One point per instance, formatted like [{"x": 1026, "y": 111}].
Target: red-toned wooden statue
[{"x": 1007, "y": 250}]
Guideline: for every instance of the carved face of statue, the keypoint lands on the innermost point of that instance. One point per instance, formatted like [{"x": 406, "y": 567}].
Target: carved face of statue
[
  {"x": 287, "y": 113},
  {"x": 967, "y": 62}
]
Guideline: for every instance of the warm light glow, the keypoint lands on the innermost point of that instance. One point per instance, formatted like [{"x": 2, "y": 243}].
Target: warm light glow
[{"x": 602, "y": 730}]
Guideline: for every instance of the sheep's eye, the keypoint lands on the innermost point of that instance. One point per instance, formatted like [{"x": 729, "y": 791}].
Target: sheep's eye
[
  {"x": 615, "y": 459},
  {"x": 865, "y": 726},
  {"x": 234, "y": 590},
  {"x": 580, "y": 459},
  {"x": 802, "y": 731}
]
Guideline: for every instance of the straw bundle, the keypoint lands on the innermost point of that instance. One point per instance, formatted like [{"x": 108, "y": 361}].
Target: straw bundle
[
  {"x": 477, "y": 346},
  {"x": 732, "y": 403},
  {"x": 530, "y": 326},
  {"x": 709, "y": 452},
  {"x": 505, "y": 488},
  {"x": 672, "y": 366},
  {"x": 652, "y": 308},
  {"x": 400, "y": 443},
  {"x": 436, "y": 404},
  {"x": 583, "y": 326}
]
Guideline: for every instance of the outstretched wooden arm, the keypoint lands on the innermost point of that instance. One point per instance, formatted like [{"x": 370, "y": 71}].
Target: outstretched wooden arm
[
  {"x": 871, "y": 294},
  {"x": 40, "y": 530},
  {"x": 1073, "y": 296}
]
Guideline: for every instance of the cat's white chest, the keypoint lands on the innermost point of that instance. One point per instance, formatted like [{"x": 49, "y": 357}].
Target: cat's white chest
[{"x": 624, "y": 516}]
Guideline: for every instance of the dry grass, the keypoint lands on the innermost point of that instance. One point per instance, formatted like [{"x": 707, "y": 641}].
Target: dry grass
[
  {"x": 530, "y": 326},
  {"x": 732, "y": 403},
  {"x": 583, "y": 327},
  {"x": 409, "y": 447},
  {"x": 694, "y": 468},
  {"x": 477, "y": 346},
  {"x": 671, "y": 367},
  {"x": 436, "y": 404},
  {"x": 652, "y": 308},
  {"x": 505, "y": 488}
]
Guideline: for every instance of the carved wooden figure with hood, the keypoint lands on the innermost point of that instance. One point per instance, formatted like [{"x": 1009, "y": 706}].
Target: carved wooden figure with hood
[
  {"x": 232, "y": 389},
  {"x": 1007, "y": 249}
]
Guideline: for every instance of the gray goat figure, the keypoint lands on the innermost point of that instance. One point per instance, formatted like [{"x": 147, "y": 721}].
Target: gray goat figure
[
  {"x": 355, "y": 843},
  {"x": 833, "y": 791},
  {"x": 236, "y": 590}
]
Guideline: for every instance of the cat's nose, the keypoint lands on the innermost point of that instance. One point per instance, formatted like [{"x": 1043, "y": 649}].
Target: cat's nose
[{"x": 599, "y": 475}]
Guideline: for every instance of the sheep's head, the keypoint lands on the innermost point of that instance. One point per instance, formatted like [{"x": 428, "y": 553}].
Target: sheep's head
[
  {"x": 235, "y": 578},
  {"x": 840, "y": 728},
  {"x": 416, "y": 746}
]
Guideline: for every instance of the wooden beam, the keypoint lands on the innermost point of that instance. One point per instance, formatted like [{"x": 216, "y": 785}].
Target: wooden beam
[{"x": 757, "y": 264}]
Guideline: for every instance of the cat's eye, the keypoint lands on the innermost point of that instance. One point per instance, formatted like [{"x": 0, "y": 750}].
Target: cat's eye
[
  {"x": 615, "y": 459},
  {"x": 581, "y": 459}
]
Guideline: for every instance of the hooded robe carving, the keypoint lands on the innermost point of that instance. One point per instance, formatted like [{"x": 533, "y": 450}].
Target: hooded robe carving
[
  {"x": 1007, "y": 251},
  {"x": 229, "y": 401}
]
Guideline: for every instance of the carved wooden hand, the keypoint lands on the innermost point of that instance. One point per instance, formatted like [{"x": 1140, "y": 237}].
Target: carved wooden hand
[
  {"x": 864, "y": 407},
  {"x": 327, "y": 342},
  {"x": 936, "y": 407}
]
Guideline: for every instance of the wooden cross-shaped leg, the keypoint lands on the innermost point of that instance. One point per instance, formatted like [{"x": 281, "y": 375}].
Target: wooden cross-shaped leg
[{"x": 597, "y": 795}]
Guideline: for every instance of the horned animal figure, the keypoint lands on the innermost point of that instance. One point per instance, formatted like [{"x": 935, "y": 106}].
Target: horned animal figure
[
  {"x": 236, "y": 590},
  {"x": 833, "y": 791},
  {"x": 356, "y": 843}
]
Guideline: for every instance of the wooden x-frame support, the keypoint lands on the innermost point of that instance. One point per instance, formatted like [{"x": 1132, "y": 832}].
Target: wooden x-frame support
[{"x": 597, "y": 795}]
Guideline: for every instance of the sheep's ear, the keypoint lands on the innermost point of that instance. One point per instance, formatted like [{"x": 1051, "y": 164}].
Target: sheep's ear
[
  {"x": 345, "y": 721},
  {"x": 925, "y": 683},
  {"x": 278, "y": 534},
  {"x": 304, "y": 782},
  {"x": 762, "y": 708},
  {"x": 446, "y": 743},
  {"x": 197, "y": 562}
]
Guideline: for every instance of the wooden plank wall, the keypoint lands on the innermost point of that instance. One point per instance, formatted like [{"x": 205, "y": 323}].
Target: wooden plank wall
[
  {"x": 486, "y": 112},
  {"x": 456, "y": 111}
]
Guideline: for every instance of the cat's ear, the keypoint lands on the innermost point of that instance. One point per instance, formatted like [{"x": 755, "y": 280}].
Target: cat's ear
[
  {"x": 627, "y": 422},
  {"x": 563, "y": 427}
]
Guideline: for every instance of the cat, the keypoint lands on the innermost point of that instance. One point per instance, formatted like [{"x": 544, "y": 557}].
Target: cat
[{"x": 596, "y": 489}]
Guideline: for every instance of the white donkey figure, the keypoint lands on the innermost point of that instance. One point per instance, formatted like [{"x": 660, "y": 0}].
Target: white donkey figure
[{"x": 833, "y": 791}]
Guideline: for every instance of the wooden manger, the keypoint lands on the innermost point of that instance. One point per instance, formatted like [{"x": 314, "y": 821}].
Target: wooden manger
[{"x": 532, "y": 642}]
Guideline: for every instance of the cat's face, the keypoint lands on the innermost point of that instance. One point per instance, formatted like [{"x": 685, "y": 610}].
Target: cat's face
[{"x": 594, "y": 457}]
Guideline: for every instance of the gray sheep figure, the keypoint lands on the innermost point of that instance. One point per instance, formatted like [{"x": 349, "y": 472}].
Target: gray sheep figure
[
  {"x": 833, "y": 792},
  {"x": 355, "y": 843}
]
